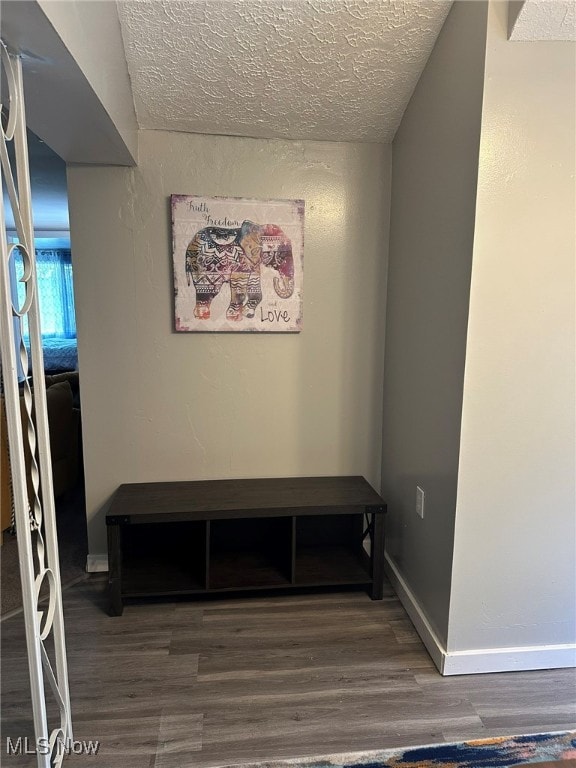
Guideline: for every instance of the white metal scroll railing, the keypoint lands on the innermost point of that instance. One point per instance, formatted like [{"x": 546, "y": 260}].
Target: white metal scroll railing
[{"x": 33, "y": 505}]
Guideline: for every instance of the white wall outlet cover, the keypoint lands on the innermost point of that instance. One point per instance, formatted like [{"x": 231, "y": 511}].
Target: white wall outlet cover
[{"x": 419, "y": 501}]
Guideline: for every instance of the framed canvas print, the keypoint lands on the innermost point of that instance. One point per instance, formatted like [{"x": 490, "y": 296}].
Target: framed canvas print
[{"x": 238, "y": 264}]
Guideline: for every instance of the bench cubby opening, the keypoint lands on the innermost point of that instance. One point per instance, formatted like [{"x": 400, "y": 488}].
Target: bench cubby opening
[
  {"x": 160, "y": 559},
  {"x": 250, "y": 552},
  {"x": 329, "y": 550}
]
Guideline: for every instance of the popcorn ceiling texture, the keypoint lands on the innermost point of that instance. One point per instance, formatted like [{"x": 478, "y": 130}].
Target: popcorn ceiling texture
[{"x": 336, "y": 70}]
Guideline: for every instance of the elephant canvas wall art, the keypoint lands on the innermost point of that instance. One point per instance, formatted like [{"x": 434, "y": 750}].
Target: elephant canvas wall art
[{"x": 238, "y": 264}]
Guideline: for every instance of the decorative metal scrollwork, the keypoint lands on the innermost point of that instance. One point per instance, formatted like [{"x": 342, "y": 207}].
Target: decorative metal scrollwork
[{"x": 34, "y": 514}]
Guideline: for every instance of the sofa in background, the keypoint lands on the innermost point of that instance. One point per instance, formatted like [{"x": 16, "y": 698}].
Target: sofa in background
[{"x": 63, "y": 401}]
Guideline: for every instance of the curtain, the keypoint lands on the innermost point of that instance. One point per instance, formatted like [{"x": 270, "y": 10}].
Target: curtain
[{"x": 55, "y": 292}]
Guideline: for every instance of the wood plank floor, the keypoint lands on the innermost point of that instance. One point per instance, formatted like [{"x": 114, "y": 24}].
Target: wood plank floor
[{"x": 200, "y": 684}]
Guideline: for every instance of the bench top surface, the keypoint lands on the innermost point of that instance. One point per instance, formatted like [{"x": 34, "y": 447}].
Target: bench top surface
[{"x": 210, "y": 499}]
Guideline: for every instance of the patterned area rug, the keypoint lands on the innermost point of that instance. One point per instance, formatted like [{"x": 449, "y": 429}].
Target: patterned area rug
[{"x": 503, "y": 752}]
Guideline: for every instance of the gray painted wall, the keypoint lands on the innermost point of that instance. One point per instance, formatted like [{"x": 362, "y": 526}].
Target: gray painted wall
[
  {"x": 515, "y": 543},
  {"x": 78, "y": 95},
  {"x": 157, "y": 405},
  {"x": 434, "y": 176},
  {"x": 90, "y": 30}
]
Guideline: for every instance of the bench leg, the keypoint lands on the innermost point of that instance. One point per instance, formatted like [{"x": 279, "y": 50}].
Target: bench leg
[
  {"x": 115, "y": 571},
  {"x": 377, "y": 592}
]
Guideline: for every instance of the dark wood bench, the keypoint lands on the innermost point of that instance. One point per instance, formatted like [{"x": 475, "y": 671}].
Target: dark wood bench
[{"x": 204, "y": 537}]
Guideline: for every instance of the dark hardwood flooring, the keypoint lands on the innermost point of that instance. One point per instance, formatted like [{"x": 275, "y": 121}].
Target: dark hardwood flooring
[{"x": 207, "y": 683}]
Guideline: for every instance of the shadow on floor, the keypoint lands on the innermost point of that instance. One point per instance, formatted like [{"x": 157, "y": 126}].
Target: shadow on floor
[{"x": 72, "y": 546}]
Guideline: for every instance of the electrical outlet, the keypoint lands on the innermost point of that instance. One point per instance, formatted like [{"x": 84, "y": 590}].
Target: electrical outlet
[{"x": 419, "y": 502}]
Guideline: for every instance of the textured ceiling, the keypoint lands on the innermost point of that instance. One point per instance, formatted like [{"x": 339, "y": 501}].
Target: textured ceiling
[
  {"x": 339, "y": 70},
  {"x": 543, "y": 20}
]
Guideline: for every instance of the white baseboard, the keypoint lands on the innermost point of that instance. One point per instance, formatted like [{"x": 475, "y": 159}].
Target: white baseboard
[
  {"x": 520, "y": 659},
  {"x": 97, "y": 563},
  {"x": 481, "y": 660},
  {"x": 433, "y": 644}
]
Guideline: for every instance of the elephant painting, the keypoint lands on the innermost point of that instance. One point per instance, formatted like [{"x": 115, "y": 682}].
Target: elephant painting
[{"x": 219, "y": 255}]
